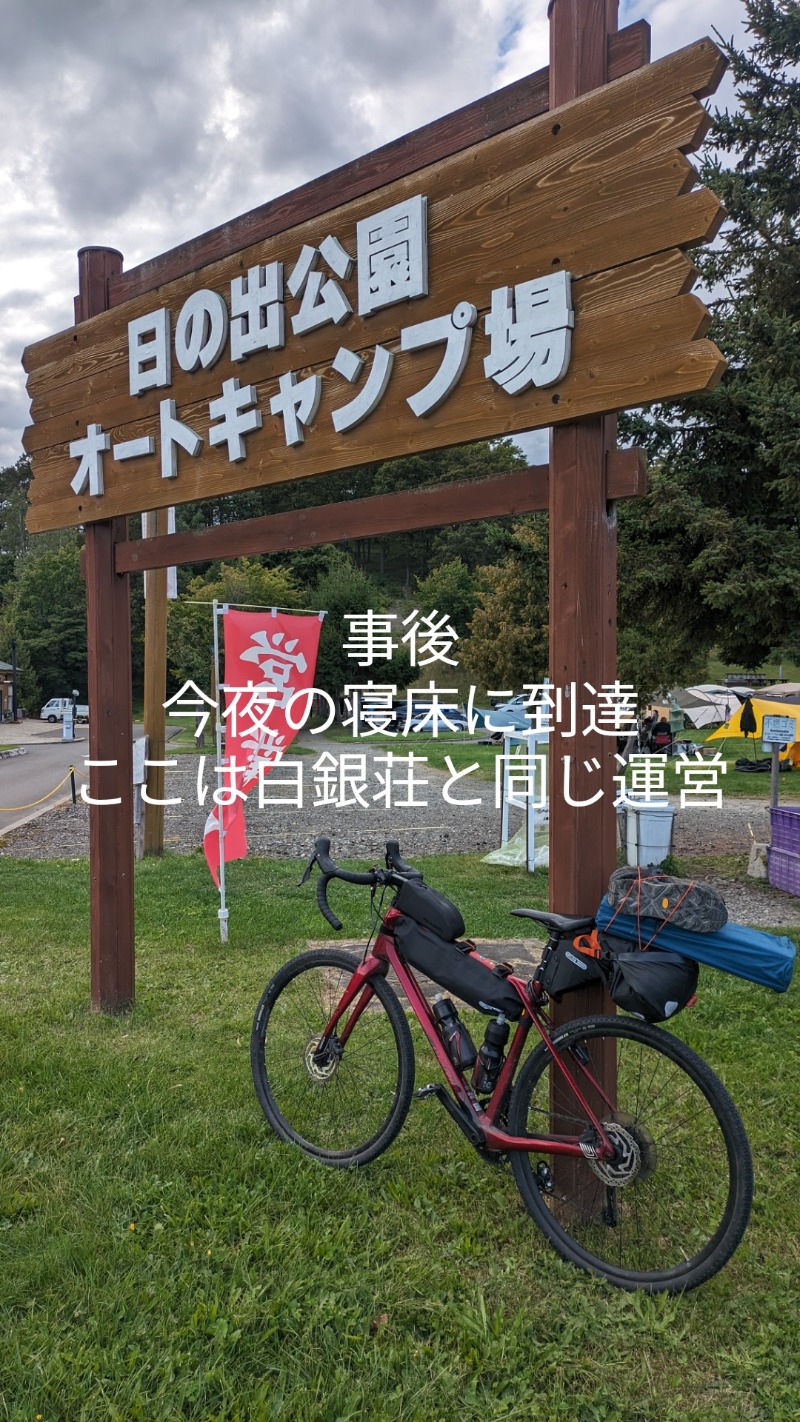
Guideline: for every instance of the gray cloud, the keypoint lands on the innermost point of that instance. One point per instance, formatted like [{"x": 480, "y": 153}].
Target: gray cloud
[
  {"x": 20, "y": 299},
  {"x": 141, "y": 125}
]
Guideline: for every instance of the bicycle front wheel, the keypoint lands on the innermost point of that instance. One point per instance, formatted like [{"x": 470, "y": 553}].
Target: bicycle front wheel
[
  {"x": 345, "y": 1104},
  {"x": 669, "y": 1210}
]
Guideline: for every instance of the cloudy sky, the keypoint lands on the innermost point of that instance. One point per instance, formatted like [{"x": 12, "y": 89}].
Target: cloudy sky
[{"x": 137, "y": 124}]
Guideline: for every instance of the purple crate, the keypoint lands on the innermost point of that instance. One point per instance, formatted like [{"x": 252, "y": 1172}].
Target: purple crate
[
  {"x": 785, "y": 828},
  {"x": 783, "y": 870}
]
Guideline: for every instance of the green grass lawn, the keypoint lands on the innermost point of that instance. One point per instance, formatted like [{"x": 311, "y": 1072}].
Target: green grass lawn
[
  {"x": 779, "y": 667},
  {"x": 163, "y": 1256}
]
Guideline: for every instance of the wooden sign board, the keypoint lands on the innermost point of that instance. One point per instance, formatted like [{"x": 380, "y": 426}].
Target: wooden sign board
[{"x": 530, "y": 279}]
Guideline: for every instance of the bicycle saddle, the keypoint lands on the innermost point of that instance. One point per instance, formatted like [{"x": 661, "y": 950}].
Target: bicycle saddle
[{"x": 559, "y": 921}]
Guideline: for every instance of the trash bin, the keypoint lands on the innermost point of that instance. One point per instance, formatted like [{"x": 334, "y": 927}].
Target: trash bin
[
  {"x": 648, "y": 837},
  {"x": 676, "y": 721}
]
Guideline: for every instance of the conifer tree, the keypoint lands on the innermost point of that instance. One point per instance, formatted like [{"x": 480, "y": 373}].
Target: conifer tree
[{"x": 711, "y": 558}]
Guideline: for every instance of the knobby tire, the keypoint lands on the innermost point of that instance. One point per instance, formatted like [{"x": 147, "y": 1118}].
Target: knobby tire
[
  {"x": 679, "y": 1217},
  {"x": 344, "y": 1110}
]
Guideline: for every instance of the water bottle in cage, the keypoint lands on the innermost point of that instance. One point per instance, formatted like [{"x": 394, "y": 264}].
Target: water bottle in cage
[
  {"x": 490, "y": 1056},
  {"x": 460, "y": 1046}
]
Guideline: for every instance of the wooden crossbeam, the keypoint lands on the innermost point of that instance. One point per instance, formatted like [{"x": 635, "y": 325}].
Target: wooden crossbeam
[{"x": 524, "y": 491}]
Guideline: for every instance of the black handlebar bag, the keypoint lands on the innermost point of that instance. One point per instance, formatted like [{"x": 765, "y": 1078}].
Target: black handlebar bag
[{"x": 458, "y": 968}]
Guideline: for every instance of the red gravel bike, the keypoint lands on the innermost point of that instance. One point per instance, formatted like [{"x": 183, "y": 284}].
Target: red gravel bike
[{"x": 626, "y": 1148}]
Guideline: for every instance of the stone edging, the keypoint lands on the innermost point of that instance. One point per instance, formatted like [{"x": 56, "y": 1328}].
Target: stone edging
[{"x": 6, "y": 755}]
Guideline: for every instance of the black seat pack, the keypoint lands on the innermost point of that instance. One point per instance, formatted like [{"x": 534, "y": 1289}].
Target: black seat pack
[
  {"x": 568, "y": 968},
  {"x": 458, "y": 968},
  {"x": 654, "y": 985}
]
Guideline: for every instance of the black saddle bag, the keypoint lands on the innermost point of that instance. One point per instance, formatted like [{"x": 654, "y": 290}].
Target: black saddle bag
[
  {"x": 458, "y": 968},
  {"x": 568, "y": 968},
  {"x": 654, "y": 985}
]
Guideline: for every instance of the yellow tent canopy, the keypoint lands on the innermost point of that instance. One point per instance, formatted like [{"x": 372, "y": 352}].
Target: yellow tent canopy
[{"x": 761, "y": 709}]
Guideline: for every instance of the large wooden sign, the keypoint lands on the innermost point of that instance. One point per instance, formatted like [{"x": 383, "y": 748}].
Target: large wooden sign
[{"x": 533, "y": 278}]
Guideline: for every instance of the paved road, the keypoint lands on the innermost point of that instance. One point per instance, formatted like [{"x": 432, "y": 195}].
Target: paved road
[{"x": 25, "y": 778}]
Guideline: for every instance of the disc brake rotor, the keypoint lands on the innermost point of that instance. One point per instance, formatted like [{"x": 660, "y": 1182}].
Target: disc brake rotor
[
  {"x": 321, "y": 1067},
  {"x": 627, "y": 1156},
  {"x": 636, "y": 1154},
  {"x": 648, "y": 1151}
]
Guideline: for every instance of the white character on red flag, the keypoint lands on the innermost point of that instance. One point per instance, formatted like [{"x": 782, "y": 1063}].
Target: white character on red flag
[{"x": 268, "y": 658}]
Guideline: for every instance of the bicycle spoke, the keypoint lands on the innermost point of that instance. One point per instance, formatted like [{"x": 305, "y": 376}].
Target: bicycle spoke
[
  {"x": 664, "y": 1203},
  {"x": 346, "y": 1100}
]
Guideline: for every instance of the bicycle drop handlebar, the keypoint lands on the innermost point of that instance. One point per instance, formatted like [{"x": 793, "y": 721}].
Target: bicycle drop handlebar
[{"x": 395, "y": 873}]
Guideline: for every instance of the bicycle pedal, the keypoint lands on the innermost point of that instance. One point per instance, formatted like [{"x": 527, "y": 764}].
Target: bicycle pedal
[{"x": 432, "y": 1089}]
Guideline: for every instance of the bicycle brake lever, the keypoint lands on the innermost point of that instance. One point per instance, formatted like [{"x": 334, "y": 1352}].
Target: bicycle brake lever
[{"x": 312, "y": 859}]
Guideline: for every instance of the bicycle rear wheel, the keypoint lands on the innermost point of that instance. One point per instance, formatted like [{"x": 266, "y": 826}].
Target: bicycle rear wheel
[
  {"x": 346, "y": 1105},
  {"x": 669, "y": 1211}
]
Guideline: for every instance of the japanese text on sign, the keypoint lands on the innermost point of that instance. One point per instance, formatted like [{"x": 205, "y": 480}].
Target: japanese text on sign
[{"x": 529, "y": 328}]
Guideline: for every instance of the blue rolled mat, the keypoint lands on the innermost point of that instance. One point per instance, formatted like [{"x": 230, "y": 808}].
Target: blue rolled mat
[{"x": 745, "y": 952}]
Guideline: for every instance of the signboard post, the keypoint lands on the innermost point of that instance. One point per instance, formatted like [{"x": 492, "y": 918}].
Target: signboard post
[
  {"x": 517, "y": 265},
  {"x": 140, "y": 755},
  {"x": 777, "y": 731},
  {"x": 108, "y": 617}
]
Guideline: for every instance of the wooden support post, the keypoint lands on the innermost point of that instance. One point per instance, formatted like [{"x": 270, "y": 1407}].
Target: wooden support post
[
  {"x": 583, "y": 596},
  {"x": 524, "y": 491},
  {"x": 110, "y": 716},
  {"x": 155, "y": 687},
  {"x": 583, "y": 573}
]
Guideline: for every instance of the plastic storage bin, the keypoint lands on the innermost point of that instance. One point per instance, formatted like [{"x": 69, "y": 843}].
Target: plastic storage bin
[
  {"x": 648, "y": 831},
  {"x": 783, "y": 870},
  {"x": 785, "y": 822}
]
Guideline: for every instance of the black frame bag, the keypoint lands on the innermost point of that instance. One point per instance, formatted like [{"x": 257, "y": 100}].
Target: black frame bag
[{"x": 458, "y": 968}]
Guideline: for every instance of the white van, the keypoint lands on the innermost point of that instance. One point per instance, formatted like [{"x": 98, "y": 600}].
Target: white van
[{"x": 57, "y": 705}]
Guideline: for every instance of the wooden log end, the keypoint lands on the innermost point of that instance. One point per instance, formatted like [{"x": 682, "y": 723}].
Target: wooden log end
[{"x": 626, "y": 473}]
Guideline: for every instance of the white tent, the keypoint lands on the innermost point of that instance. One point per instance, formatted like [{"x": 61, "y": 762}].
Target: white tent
[
  {"x": 779, "y": 690},
  {"x": 708, "y": 704}
]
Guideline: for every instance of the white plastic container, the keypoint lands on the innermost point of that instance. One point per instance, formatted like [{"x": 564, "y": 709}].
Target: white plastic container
[{"x": 648, "y": 831}]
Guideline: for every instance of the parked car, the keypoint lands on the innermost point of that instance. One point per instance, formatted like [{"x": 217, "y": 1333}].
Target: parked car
[
  {"x": 507, "y": 716},
  {"x": 57, "y": 705},
  {"x": 422, "y": 720}
]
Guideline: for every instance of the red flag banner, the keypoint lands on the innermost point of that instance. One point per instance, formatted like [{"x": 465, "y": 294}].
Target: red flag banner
[
  {"x": 267, "y": 661},
  {"x": 269, "y": 658},
  {"x": 234, "y": 837}
]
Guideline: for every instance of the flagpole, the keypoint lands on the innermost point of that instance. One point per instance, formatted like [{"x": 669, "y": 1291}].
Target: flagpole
[{"x": 223, "y": 910}]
